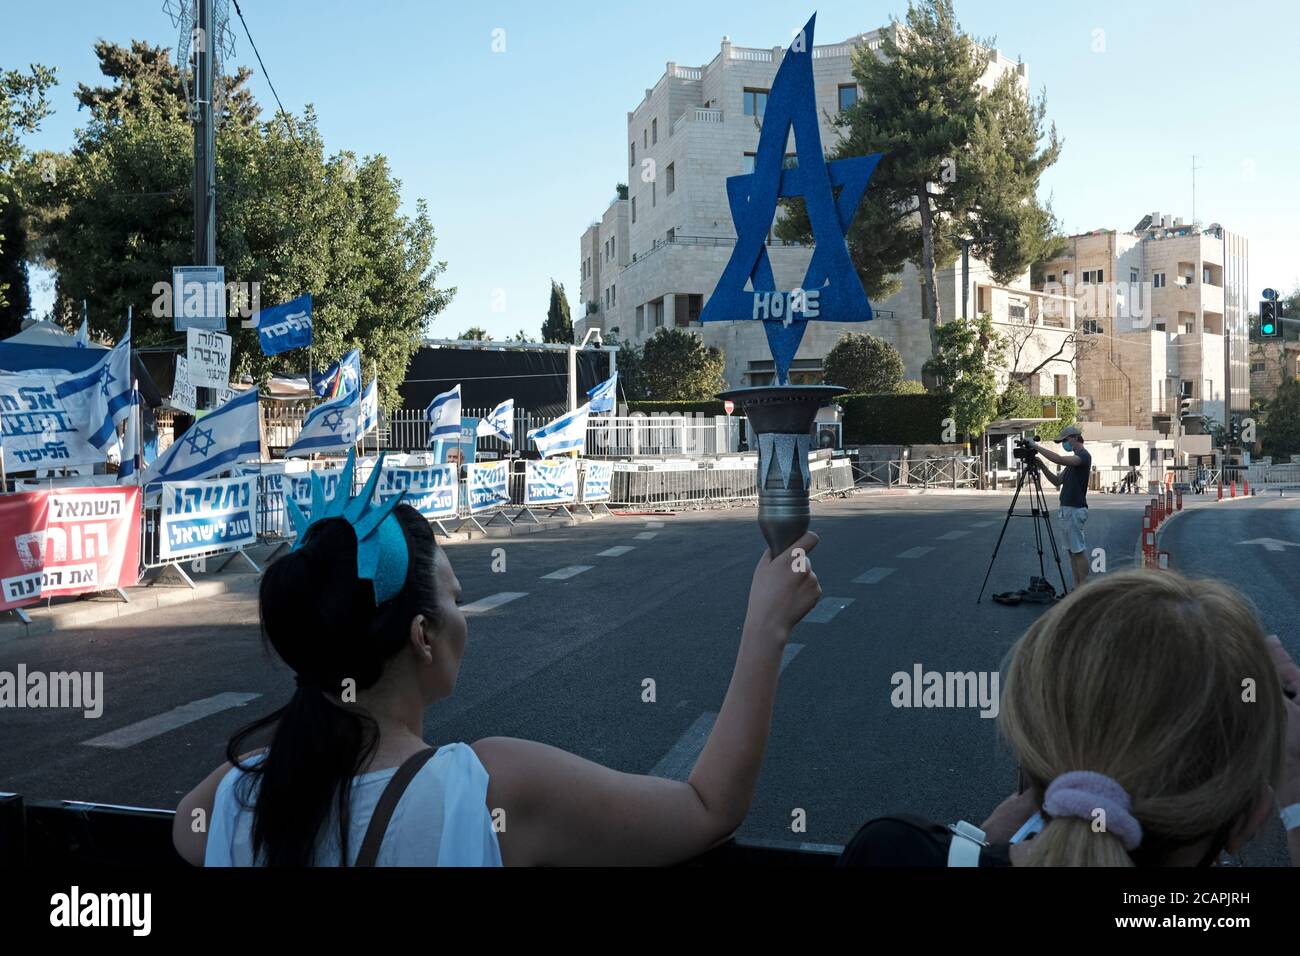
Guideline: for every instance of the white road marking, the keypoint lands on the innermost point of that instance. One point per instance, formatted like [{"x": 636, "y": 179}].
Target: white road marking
[
  {"x": 789, "y": 654},
  {"x": 492, "y": 601},
  {"x": 952, "y": 535},
  {"x": 917, "y": 552},
  {"x": 646, "y": 535},
  {"x": 564, "y": 574},
  {"x": 615, "y": 551},
  {"x": 150, "y": 727},
  {"x": 680, "y": 760},
  {"x": 982, "y": 524},
  {"x": 826, "y": 610},
  {"x": 654, "y": 524},
  {"x": 873, "y": 575}
]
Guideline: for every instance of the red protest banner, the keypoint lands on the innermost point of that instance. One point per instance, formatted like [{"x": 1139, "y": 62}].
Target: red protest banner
[
  {"x": 22, "y": 543},
  {"x": 68, "y": 541}
]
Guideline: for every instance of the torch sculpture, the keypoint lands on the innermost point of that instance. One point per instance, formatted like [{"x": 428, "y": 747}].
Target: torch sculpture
[{"x": 781, "y": 416}]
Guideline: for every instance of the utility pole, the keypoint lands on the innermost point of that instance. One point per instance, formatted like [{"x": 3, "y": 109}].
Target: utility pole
[{"x": 205, "y": 187}]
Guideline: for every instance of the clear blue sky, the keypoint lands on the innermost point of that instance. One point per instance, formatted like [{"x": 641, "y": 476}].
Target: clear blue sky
[{"x": 517, "y": 152}]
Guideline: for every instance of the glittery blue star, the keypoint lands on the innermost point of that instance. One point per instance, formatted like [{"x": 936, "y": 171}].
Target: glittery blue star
[{"x": 197, "y": 435}]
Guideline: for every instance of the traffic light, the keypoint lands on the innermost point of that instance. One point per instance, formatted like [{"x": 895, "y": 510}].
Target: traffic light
[{"x": 1269, "y": 327}]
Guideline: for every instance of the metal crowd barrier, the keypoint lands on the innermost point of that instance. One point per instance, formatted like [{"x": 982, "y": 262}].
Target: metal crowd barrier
[{"x": 67, "y": 832}]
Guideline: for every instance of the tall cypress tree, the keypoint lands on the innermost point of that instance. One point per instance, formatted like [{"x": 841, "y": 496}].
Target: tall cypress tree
[{"x": 558, "y": 326}]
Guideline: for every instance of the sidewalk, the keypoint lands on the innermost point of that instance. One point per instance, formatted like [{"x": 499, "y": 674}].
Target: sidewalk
[{"x": 222, "y": 576}]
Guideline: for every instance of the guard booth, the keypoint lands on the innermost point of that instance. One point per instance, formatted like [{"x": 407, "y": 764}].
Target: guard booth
[{"x": 999, "y": 465}]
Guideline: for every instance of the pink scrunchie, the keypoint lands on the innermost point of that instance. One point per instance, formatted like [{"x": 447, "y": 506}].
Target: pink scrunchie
[{"x": 1080, "y": 792}]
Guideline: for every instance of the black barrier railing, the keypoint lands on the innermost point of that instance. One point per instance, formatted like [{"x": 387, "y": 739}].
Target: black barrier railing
[{"x": 60, "y": 832}]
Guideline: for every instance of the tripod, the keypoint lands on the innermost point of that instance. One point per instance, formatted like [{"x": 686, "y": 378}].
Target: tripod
[{"x": 1030, "y": 473}]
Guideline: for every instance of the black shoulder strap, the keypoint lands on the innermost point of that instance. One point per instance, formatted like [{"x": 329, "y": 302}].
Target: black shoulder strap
[{"x": 388, "y": 801}]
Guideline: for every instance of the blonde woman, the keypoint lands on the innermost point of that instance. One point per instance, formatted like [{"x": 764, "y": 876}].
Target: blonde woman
[{"x": 1153, "y": 723}]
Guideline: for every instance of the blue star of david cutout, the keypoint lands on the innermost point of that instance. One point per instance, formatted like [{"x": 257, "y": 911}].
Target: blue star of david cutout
[
  {"x": 333, "y": 419},
  {"x": 831, "y": 290},
  {"x": 196, "y": 435}
]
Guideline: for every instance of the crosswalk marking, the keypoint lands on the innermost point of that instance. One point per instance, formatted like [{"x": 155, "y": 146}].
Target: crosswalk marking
[
  {"x": 873, "y": 575},
  {"x": 563, "y": 574},
  {"x": 917, "y": 552},
  {"x": 615, "y": 551},
  {"x": 654, "y": 524},
  {"x": 952, "y": 535},
  {"x": 680, "y": 760},
  {"x": 492, "y": 601},
  {"x": 646, "y": 535},
  {"x": 982, "y": 524},
  {"x": 826, "y": 610},
  {"x": 789, "y": 654},
  {"x": 150, "y": 727}
]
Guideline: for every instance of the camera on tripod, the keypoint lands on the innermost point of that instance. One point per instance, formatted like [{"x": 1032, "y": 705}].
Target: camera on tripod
[{"x": 1023, "y": 451}]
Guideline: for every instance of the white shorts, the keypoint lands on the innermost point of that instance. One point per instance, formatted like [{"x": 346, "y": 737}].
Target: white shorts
[{"x": 1073, "y": 520}]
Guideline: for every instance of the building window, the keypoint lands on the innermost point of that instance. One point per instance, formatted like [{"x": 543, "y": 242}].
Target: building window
[
  {"x": 1091, "y": 276},
  {"x": 1157, "y": 280},
  {"x": 1132, "y": 275},
  {"x": 1090, "y": 327},
  {"x": 1257, "y": 366},
  {"x": 848, "y": 95},
  {"x": 634, "y": 209},
  {"x": 672, "y": 178},
  {"x": 1160, "y": 326},
  {"x": 1062, "y": 384},
  {"x": 1016, "y": 312},
  {"x": 645, "y": 138},
  {"x": 790, "y": 161},
  {"x": 1185, "y": 389},
  {"x": 1051, "y": 277},
  {"x": 613, "y": 247},
  {"x": 654, "y": 131},
  {"x": 749, "y": 162},
  {"x": 654, "y": 195},
  {"x": 755, "y": 102},
  {"x": 613, "y": 295}
]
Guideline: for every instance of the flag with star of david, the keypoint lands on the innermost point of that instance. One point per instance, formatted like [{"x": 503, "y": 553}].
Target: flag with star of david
[
  {"x": 212, "y": 444},
  {"x": 100, "y": 397},
  {"x": 330, "y": 426}
]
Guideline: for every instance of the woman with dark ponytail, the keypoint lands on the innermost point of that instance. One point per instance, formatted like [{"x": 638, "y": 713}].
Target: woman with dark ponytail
[{"x": 365, "y": 612}]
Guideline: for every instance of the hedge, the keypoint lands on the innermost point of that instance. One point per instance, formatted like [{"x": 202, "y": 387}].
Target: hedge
[
  {"x": 894, "y": 419},
  {"x": 1031, "y": 406}
]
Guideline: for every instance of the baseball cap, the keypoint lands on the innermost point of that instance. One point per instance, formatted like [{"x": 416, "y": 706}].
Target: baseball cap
[{"x": 1069, "y": 431}]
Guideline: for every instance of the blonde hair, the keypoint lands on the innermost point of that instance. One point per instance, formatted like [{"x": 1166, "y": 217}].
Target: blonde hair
[{"x": 1145, "y": 676}]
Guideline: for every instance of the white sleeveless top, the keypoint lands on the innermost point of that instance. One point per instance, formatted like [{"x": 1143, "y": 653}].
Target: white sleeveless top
[{"x": 441, "y": 820}]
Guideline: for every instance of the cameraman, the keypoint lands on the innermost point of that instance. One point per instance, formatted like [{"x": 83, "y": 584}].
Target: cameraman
[{"x": 1073, "y": 482}]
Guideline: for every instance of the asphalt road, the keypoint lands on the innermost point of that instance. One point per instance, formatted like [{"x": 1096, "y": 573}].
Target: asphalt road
[{"x": 659, "y": 597}]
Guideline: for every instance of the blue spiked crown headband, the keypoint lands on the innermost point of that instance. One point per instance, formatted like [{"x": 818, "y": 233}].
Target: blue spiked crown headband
[{"x": 382, "y": 556}]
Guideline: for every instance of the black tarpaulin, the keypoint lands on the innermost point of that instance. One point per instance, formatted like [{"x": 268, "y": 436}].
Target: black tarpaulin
[{"x": 536, "y": 379}]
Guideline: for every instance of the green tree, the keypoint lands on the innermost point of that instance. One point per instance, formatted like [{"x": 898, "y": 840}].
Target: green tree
[
  {"x": 23, "y": 105},
  {"x": 521, "y": 336},
  {"x": 677, "y": 366},
  {"x": 1280, "y": 428},
  {"x": 631, "y": 381},
  {"x": 864, "y": 364},
  {"x": 475, "y": 333},
  {"x": 960, "y": 161},
  {"x": 965, "y": 367},
  {"x": 558, "y": 326},
  {"x": 291, "y": 219}
]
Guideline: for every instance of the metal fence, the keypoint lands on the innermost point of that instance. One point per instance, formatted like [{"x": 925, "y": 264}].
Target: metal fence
[
  {"x": 958, "y": 471},
  {"x": 688, "y": 484}
]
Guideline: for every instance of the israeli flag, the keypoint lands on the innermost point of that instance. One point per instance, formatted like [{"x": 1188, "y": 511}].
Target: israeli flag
[
  {"x": 444, "y": 416},
  {"x": 102, "y": 393},
  {"x": 566, "y": 433},
  {"x": 128, "y": 470},
  {"x": 284, "y": 327},
  {"x": 603, "y": 395},
  {"x": 82, "y": 338},
  {"x": 212, "y": 444},
  {"x": 500, "y": 422},
  {"x": 369, "y": 415},
  {"x": 330, "y": 426}
]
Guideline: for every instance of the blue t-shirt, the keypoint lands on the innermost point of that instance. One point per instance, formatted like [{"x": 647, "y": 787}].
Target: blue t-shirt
[{"x": 1074, "y": 486}]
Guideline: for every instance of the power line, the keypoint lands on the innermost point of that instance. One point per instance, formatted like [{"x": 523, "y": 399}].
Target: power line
[{"x": 265, "y": 73}]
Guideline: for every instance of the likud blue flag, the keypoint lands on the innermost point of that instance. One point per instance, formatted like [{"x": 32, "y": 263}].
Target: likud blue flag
[
  {"x": 603, "y": 395},
  {"x": 443, "y": 414},
  {"x": 566, "y": 433},
  {"x": 284, "y": 327},
  {"x": 102, "y": 393},
  {"x": 500, "y": 422},
  {"x": 330, "y": 426},
  {"x": 212, "y": 444}
]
